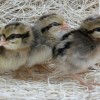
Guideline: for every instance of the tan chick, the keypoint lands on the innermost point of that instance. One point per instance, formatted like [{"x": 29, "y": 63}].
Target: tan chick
[
  {"x": 15, "y": 44},
  {"x": 53, "y": 27},
  {"x": 79, "y": 49}
]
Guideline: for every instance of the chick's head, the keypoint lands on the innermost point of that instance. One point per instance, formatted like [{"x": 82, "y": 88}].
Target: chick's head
[
  {"x": 53, "y": 24},
  {"x": 16, "y": 36},
  {"x": 92, "y": 25}
]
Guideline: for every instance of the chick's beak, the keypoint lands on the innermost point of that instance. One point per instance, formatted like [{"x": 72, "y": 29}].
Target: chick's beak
[
  {"x": 65, "y": 26},
  {"x": 2, "y": 41}
]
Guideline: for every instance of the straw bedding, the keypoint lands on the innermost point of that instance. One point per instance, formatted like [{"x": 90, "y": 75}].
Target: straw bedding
[{"x": 53, "y": 87}]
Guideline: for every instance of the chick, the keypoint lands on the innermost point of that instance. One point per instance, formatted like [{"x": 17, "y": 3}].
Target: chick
[
  {"x": 15, "y": 44},
  {"x": 79, "y": 49},
  {"x": 39, "y": 53},
  {"x": 52, "y": 26}
]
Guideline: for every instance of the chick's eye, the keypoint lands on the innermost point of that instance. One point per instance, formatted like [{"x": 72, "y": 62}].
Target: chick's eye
[
  {"x": 56, "y": 24},
  {"x": 12, "y": 36},
  {"x": 97, "y": 29}
]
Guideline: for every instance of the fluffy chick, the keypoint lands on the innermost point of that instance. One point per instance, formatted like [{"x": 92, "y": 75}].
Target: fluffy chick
[
  {"x": 79, "y": 49},
  {"x": 15, "y": 43},
  {"x": 52, "y": 27}
]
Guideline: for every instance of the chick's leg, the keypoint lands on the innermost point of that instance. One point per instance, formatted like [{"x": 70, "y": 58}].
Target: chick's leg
[
  {"x": 32, "y": 75},
  {"x": 19, "y": 75},
  {"x": 43, "y": 68},
  {"x": 29, "y": 71},
  {"x": 88, "y": 84},
  {"x": 40, "y": 68},
  {"x": 82, "y": 82},
  {"x": 25, "y": 73},
  {"x": 94, "y": 83},
  {"x": 35, "y": 76}
]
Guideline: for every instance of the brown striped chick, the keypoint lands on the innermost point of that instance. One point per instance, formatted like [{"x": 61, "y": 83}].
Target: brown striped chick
[
  {"x": 52, "y": 26},
  {"x": 79, "y": 49},
  {"x": 15, "y": 43}
]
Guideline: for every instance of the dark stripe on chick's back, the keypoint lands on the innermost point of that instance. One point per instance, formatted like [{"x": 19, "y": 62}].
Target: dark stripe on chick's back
[{"x": 61, "y": 51}]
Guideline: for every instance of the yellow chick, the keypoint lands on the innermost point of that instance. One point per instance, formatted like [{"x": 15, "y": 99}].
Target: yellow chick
[{"x": 15, "y": 44}]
